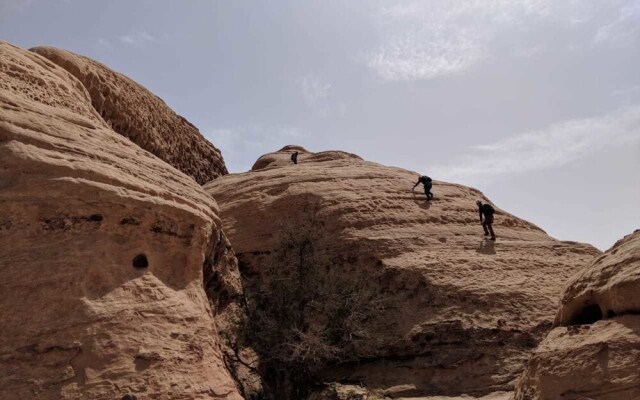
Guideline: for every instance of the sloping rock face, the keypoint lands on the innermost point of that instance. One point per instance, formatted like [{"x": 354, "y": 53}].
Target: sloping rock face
[
  {"x": 134, "y": 112},
  {"x": 463, "y": 313},
  {"x": 594, "y": 353},
  {"x": 102, "y": 247}
]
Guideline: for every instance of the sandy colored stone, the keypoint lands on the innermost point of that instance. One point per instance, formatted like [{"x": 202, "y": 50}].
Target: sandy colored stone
[
  {"x": 338, "y": 391},
  {"x": 80, "y": 205},
  {"x": 609, "y": 287},
  {"x": 136, "y": 113},
  {"x": 465, "y": 312},
  {"x": 595, "y": 353}
]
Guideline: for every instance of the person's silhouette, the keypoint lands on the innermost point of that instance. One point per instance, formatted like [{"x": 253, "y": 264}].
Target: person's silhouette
[
  {"x": 427, "y": 183},
  {"x": 486, "y": 211}
]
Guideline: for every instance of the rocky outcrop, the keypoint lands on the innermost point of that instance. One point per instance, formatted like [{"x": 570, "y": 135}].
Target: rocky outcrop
[
  {"x": 594, "y": 352},
  {"x": 134, "y": 112},
  {"x": 223, "y": 286},
  {"x": 336, "y": 391},
  {"x": 102, "y": 246},
  {"x": 461, "y": 314}
]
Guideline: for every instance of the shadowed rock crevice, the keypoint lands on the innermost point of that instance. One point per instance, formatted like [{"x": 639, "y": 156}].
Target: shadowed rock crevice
[
  {"x": 78, "y": 203},
  {"x": 589, "y": 314},
  {"x": 224, "y": 289},
  {"x": 459, "y": 318},
  {"x": 592, "y": 354}
]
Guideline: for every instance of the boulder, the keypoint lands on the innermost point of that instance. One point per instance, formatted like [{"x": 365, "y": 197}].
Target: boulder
[
  {"x": 594, "y": 352},
  {"x": 102, "y": 247},
  {"x": 462, "y": 314},
  {"x": 136, "y": 113}
]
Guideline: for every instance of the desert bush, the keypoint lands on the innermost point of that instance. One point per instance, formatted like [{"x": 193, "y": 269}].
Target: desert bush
[{"x": 303, "y": 312}]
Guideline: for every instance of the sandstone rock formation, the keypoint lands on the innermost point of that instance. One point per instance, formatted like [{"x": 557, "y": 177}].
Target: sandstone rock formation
[
  {"x": 134, "y": 112},
  {"x": 102, "y": 244},
  {"x": 336, "y": 391},
  {"x": 463, "y": 313},
  {"x": 594, "y": 352}
]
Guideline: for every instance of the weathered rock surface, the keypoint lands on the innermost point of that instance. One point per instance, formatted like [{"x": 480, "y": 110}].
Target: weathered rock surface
[
  {"x": 134, "y": 112},
  {"x": 337, "y": 391},
  {"x": 594, "y": 353},
  {"x": 464, "y": 313},
  {"x": 223, "y": 286},
  {"x": 102, "y": 247}
]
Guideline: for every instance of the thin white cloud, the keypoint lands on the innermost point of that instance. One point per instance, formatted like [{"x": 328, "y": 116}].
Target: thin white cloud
[
  {"x": 624, "y": 26},
  {"x": 411, "y": 56},
  {"x": 557, "y": 145},
  {"x": 315, "y": 92},
  {"x": 137, "y": 39},
  {"x": 126, "y": 39},
  {"x": 426, "y": 40}
]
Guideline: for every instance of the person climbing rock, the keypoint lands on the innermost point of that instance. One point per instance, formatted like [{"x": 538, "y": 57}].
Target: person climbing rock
[
  {"x": 294, "y": 157},
  {"x": 426, "y": 182},
  {"x": 486, "y": 211}
]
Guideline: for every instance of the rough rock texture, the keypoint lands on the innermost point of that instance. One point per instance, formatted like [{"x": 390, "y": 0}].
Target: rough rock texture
[
  {"x": 134, "y": 112},
  {"x": 337, "y": 391},
  {"x": 595, "y": 352},
  {"x": 102, "y": 247},
  {"x": 464, "y": 312},
  {"x": 223, "y": 286},
  {"x": 283, "y": 157}
]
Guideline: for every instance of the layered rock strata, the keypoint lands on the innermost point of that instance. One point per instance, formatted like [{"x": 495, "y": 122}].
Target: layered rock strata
[
  {"x": 136, "y": 113},
  {"x": 463, "y": 313},
  {"x": 594, "y": 352},
  {"x": 102, "y": 247}
]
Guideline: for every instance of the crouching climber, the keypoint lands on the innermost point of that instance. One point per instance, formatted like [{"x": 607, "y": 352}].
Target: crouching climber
[
  {"x": 426, "y": 182},
  {"x": 486, "y": 211},
  {"x": 294, "y": 157}
]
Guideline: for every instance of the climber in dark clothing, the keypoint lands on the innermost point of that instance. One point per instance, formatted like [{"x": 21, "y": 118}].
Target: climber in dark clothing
[
  {"x": 426, "y": 182},
  {"x": 486, "y": 211},
  {"x": 294, "y": 157}
]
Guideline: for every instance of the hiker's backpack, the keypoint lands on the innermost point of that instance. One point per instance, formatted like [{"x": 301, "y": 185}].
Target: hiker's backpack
[
  {"x": 487, "y": 209},
  {"x": 425, "y": 180}
]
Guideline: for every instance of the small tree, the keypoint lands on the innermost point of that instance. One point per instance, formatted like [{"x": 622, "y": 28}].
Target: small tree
[{"x": 303, "y": 313}]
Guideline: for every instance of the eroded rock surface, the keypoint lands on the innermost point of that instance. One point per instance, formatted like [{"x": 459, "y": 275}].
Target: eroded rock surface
[
  {"x": 102, "y": 247},
  {"x": 464, "y": 313},
  {"x": 134, "y": 112},
  {"x": 336, "y": 391},
  {"x": 594, "y": 353}
]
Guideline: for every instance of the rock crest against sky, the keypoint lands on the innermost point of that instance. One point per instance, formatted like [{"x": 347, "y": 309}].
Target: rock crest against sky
[{"x": 535, "y": 102}]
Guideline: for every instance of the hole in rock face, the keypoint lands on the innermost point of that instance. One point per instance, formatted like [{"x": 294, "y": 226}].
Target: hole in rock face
[
  {"x": 140, "y": 261},
  {"x": 95, "y": 217},
  {"x": 589, "y": 314},
  {"x": 611, "y": 314}
]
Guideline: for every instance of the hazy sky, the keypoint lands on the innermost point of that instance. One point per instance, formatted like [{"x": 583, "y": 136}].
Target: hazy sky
[{"x": 536, "y": 103}]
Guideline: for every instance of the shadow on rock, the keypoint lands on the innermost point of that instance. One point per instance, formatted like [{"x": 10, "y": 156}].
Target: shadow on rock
[
  {"x": 486, "y": 247},
  {"x": 421, "y": 203}
]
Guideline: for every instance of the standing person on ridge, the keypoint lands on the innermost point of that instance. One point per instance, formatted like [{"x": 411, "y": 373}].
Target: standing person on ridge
[
  {"x": 426, "y": 182},
  {"x": 294, "y": 157},
  {"x": 487, "y": 211}
]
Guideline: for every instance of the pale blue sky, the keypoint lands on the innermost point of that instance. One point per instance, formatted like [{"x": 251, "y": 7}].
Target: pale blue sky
[{"x": 534, "y": 102}]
